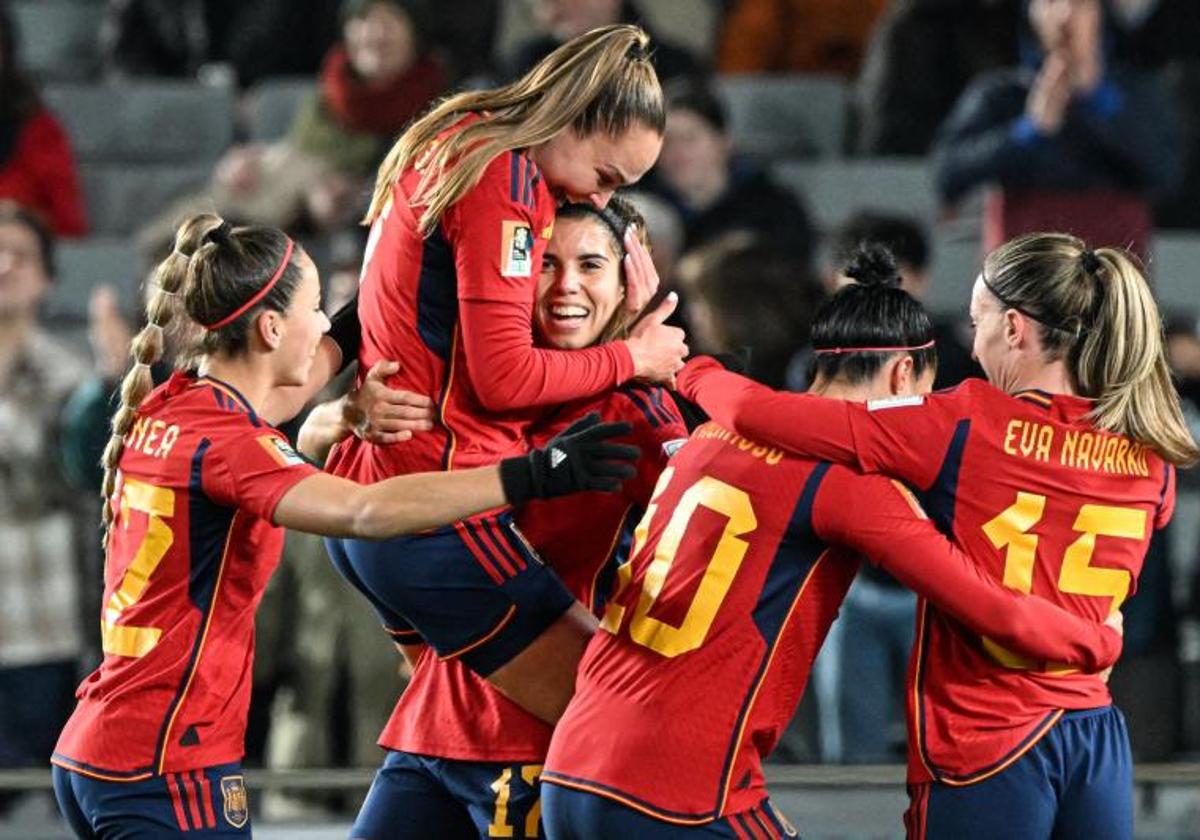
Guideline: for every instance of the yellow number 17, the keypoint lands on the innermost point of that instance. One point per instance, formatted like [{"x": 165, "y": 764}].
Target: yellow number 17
[
  {"x": 1012, "y": 531},
  {"x": 156, "y": 503}
]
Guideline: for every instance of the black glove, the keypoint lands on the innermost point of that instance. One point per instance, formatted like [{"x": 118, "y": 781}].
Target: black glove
[
  {"x": 346, "y": 332},
  {"x": 577, "y": 459}
]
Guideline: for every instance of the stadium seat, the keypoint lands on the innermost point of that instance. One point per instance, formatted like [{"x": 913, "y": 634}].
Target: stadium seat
[
  {"x": 121, "y": 198},
  {"x": 786, "y": 116},
  {"x": 84, "y": 264},
  {"x": 835, "y": 189},
  {"x": 957, "y": 257},
  {"x": 1174, "y": 267},
  {"x": 274, "y": 103},
  {"x": 60, "y": 38},
  {"x": 145, "y": 121}
]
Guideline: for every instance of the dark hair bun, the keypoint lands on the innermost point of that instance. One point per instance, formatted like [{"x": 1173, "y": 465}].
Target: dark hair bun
[{"x": 872, "y": 264}]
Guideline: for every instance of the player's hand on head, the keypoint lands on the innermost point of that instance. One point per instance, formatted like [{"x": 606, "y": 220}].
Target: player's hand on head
[
  {"x": 658, "y": 350},
  {"x": 580, "y": 458},
  {"x": 641, "y": 277},
  {"x": 383, "y": 415}
]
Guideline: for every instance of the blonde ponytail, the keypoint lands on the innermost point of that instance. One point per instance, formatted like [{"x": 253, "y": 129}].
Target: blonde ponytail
[
  {"x": 1122, "y": 362},
  {"x": 599, "y": 81},
  {"x": 1095, "y": 310},
  {"x": 148, "y": 346}
]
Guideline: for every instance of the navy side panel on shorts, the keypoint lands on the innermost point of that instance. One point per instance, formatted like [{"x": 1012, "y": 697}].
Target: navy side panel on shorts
[
  {"x": 571, "y": 814},
  {"x": 1076, "y": 783},
  {"x": 201, "y": 803},
  {"x": 475, "y": 590}
]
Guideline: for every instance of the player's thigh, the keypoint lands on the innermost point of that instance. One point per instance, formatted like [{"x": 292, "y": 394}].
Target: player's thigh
[
  {"x": 475, "y": 591},
  {"x": 407, "y": 801},
  {"x": 1015, "y": 804},
  {"x": 1097, "y": 801},
  {"x": 69, "y": 806}
]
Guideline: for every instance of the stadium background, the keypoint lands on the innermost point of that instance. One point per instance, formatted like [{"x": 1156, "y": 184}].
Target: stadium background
[{"x": 153, "y": 97}]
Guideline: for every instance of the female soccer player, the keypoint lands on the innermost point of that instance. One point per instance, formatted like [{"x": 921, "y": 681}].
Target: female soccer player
[
  {"x": 463, "y": 209},
  {"x": 198, "y": 487},
  {"x": 1053, "y": 477},
  {"x": 463, "y": 760},
  {"x": 740, "y": 564}
]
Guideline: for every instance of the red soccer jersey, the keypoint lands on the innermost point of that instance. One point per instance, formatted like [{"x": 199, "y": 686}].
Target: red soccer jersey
[
  {"x": 738, "y": 570},
  {"x": 1038, "y": 497},
  {"x": 189, "y": 554},
  {"x": 447, "y": 710},
  {"x": 456, "y": 309}
]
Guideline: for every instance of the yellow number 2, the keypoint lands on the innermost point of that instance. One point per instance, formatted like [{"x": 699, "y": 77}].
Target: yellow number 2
[
  {"x": 156, "y": 503},
  {"x": 1012, "y": 531},
  {"x": 661, "y": 636}
]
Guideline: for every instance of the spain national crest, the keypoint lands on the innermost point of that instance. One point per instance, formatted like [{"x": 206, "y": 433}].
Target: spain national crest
[{"x": 233, "y": 794}]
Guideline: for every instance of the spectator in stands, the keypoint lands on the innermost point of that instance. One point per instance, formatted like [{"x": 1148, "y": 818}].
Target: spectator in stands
[
  {"x": 909, "y": 244},
  {"x": 371, "y": 84},
  {"x": 716, "y": 193},
  {"x": 1072, "y": 141},
  {"x": 41, "y": 635},
  {"x": 920, "y": 58},
  {"x": 37, "y": 168},
  {"x": 797, "y": 36},
  {"x": 179, "y": 37},
  {"x": 562, "y": 20},
  {"x": 745, "y": 295}
]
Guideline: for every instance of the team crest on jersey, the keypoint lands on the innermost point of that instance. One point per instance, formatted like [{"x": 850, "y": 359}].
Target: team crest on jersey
[
  {"x": 281, "y": 452},
  {"x": 670, "y": 447},
  {"x": 894, "y": 402},
  {"x": 233, "y": 793},
  {"x": 516, "y": 249}
]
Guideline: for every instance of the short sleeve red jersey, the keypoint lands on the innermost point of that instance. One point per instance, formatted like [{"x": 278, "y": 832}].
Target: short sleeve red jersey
[
  {"x": 737, "y": 572},
  {"x": 456, "y": 309},
  {"x": 450, "y": 712},
  {"x": 189, "y": 553},
  {"x": 1036, "y": 494}
]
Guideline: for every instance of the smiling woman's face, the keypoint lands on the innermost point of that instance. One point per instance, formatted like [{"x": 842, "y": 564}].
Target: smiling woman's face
[{"x": 580, "y": 286}]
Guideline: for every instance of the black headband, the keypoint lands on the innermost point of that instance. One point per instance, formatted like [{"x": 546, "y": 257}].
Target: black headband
[{"x": 610, "y": 219}]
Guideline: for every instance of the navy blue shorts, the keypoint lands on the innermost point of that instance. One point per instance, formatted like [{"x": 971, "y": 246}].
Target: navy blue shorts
[
  {"x": 1076, "y": 782},
  {"x": 415, "y": 797},
  {"x": 571, "y": 814},
  {"x": 475, "y": 590},
  {"x": 203, "y": 803}
]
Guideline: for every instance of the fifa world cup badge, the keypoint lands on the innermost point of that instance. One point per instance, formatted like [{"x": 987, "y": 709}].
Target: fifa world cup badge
[
  {"x": 233, "y": 792},
  {"x": 516, "y": 250}
]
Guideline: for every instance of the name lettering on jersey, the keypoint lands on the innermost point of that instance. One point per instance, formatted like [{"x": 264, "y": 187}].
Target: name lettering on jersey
[
  {"x": 1081, "y": 450},
  {"x": 516, "y": 249},
  {"x": 713, "y": 431},
  {"x": 895, "y": 402},
  {"x": 152, "y": 437}
]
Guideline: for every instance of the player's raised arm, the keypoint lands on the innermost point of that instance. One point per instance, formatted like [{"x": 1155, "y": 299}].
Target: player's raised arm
[{"x": 881, "y": 519}]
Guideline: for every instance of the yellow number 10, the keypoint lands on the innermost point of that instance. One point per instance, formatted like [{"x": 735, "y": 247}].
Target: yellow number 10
[
  {"x": 1012, "y": 531},
  {"x": 156, "y": 503},
  {"x": 719, "y": 573}
]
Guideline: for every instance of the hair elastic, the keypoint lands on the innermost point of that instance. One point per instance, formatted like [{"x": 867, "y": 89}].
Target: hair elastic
[
  {"x": 820, "y": 351},
  {"x": 1090, "y": 262},
  {"x": 260, "y": 294}
]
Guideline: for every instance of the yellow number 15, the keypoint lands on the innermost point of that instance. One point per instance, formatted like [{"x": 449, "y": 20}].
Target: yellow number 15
[
  {"x": 719, "y": 573},
  {"x": 1012, "y": 531}
]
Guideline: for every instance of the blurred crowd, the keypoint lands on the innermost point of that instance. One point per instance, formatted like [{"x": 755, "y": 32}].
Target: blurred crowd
[{"x": 1078, "y": 115}]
